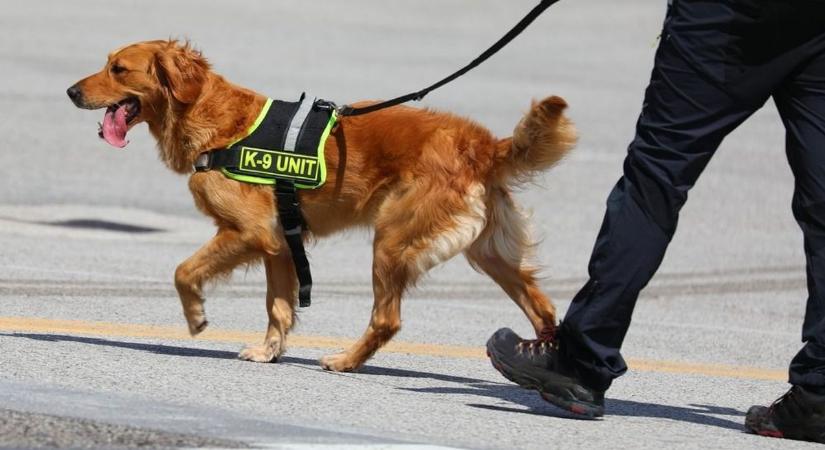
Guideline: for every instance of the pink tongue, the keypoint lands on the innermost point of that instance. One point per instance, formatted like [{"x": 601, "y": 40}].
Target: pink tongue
[{"x": 114, "y": 127}]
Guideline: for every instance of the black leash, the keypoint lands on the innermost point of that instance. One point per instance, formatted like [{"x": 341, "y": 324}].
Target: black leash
[{"x": 347, "y": 110}]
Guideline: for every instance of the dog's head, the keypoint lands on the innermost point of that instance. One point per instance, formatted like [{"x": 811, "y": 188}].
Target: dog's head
[{"x": 139, "y": 83}]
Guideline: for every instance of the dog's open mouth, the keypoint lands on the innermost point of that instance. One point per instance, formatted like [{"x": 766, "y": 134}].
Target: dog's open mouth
[{"x": 116, "y": 121}]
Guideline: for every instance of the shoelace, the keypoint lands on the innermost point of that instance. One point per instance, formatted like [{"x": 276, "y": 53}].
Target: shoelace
[{"x": 545, "y": 342}]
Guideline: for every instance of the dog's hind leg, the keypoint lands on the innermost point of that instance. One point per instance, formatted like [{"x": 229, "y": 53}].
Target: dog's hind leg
[
  {"x": 501, "y": 251},
  {"x": 280, "y": 306},
  {"x": 219, "y": 256},
  {"x": 414, "y": 232}
]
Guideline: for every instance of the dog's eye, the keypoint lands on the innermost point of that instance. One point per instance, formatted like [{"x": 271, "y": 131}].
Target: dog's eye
[{"x": 118, "y": 69}]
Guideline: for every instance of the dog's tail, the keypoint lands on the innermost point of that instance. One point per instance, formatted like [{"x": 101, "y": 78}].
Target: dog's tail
[{"x": 542, "y": 138}]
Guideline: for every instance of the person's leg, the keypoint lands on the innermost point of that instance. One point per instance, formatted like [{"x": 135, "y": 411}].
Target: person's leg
[
  {"x": 800, "y": 413},
  {"x": 684, "y": 119},
  {"x": 685, "y": 116},
  {"x": 717, "y": 63},
  {"x": 801, "y": 104}
]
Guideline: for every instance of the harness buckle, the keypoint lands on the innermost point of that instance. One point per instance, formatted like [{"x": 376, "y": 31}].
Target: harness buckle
[
  {"x": 204, "y": 162},
  {"x": 325, "y": 105}
]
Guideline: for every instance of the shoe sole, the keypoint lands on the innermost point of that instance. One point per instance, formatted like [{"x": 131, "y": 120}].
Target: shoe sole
[
  {"x": 752, "y": 424},
  {"x": 576, "y": 407}
]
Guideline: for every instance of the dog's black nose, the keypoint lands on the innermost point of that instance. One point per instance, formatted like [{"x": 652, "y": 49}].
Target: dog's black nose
[{"x": 75, "y": 94}]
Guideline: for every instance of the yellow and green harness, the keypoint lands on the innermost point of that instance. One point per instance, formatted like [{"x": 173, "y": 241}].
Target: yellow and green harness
[{"x": 284, "y": 148}]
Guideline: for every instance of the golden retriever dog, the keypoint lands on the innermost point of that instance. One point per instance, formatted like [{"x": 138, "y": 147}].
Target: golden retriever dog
[{"x": 431, "y": 184}]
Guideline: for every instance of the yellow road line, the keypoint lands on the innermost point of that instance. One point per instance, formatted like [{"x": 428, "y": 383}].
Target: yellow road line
[
  {"x": 711, "y": 370},
  {"x": 53, "y": 326}
]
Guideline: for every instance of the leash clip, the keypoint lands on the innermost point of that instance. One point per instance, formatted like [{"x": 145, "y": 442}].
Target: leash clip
[{"x": 344, "y": 110}]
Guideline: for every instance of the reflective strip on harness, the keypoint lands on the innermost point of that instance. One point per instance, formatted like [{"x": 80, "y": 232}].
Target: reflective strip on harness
[{"x": 296, "y": 124}]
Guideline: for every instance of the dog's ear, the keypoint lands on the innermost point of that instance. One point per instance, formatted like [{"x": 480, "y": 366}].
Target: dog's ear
[{"x": 182, "y": 71}]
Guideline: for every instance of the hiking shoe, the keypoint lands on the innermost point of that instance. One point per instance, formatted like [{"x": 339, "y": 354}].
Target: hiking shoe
[
  {"x": 799, "y": 414},
  {"x": 535, "y": 364}
]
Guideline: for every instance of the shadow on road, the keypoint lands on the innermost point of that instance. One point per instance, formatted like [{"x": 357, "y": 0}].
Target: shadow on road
[
  {"x": 693, "y": 413},
  {"x": 402, "y": 373},
  {"x": 698, "y": 414},
  {"x": 152, "y": 348},
  {"x": 171, "y": 350},
  {"x": 91, "y": 224}
]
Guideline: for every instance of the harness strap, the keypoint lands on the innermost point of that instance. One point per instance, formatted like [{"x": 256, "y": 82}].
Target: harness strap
[
  {"x": 209, "y": 160},
  {"x": 347, "y": 110},
  {"x": 292, "y": 221},
  {"x": 289, "y": 209}
]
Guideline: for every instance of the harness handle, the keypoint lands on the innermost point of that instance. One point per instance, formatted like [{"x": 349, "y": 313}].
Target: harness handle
[{"x": 348, "y": 110}]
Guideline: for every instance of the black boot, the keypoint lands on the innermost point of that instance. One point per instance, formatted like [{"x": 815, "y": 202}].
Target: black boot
[
  {"x": 799, "y": 414},
  {"x": 536, "y": 364}
]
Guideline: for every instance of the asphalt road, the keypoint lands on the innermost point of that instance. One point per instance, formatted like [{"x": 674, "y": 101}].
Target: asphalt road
[{"x": 93, "y": 343}]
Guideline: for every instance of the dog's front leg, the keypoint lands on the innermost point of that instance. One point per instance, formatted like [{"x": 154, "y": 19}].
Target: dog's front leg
[
  {"x": 280, "y": 306},
  {"x": 218, "y": 256}
]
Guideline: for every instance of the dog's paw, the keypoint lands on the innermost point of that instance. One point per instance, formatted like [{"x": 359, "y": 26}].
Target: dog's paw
[
  {"x": 259, "y": 353},
  {"x": 339, "y": 362},
  {"x": 197, "y": 325}
]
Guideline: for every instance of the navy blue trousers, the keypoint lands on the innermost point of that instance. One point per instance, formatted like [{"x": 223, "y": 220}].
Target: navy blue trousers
[{"x": 717, "y": 63}]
